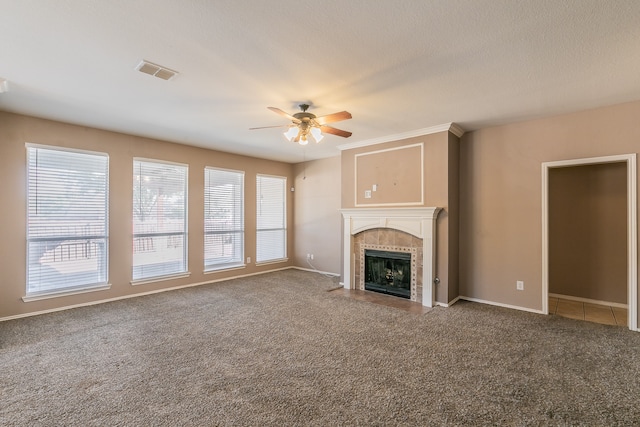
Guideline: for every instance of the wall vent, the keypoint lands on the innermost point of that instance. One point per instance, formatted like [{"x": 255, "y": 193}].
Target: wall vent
[{"x": 156, "y": 70}]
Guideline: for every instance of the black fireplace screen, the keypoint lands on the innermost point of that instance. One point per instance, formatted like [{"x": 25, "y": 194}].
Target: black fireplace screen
[{"x": 388, "y": 272}]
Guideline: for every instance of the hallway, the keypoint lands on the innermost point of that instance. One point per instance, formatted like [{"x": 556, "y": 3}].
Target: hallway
[{"x": 596, "y": 313}]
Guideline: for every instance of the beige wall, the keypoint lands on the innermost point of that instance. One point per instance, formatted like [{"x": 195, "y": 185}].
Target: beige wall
[
  {"x": 16, "y": 130},
  {"x": 501, "y": 194},
  {"x": 498, "y": 205},
  {"x": 392, "y": 176},
  {"x": 440, "y": 190},
  {"x": 318, "y": 221},
  {"x": 588, "y": 231}
]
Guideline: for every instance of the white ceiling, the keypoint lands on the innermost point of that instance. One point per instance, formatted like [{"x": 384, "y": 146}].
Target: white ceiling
[{"x": 397, "y": 65}]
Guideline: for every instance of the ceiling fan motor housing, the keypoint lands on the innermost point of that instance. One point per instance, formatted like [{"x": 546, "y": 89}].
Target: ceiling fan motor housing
[
  {"x": 304, "y": 117},
  {"x": 306, "y": 120}
]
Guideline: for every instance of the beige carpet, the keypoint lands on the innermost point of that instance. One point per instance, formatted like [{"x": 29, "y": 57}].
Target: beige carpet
[{"x": 277, "y": 349}]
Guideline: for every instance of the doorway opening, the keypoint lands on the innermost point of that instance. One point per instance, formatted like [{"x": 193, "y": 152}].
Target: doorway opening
[{"x": 589, "y": 233}]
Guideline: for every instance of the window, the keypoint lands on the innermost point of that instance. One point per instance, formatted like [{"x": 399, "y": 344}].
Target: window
[
  {"x": 159, "y": 219},
  {"x": 67, "y": 205},
  {"x": 223, "y": 218},
  {"x": 271, "y": 239}
]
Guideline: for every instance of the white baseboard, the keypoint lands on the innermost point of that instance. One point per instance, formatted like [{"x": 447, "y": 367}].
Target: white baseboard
[
  {"x": 317, "y": 271},
  {"x": 589, "y": 301},
  {"x": 157, "y": 291},
  {"x": 448, "y": 304},
  {"x": 498, "y": 304}
]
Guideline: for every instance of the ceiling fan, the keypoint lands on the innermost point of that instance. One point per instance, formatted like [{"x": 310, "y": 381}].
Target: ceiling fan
[{"x": 305, "y": 124}]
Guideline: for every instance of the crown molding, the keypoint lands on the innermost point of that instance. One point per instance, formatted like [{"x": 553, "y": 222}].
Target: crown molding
[
  {"x": 456, "y": 130},
  {"x": 447, "y": 127}
]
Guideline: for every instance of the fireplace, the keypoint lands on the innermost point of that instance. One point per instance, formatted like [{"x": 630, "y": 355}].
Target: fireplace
[
  {"x": 388, "y": 272},
  {"x": 402, "y": 259},
  {"x": 402, "y": 229}
]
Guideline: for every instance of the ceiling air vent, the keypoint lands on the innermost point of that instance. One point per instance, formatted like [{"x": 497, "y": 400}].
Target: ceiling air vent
[{"x": 156, "y": 70}]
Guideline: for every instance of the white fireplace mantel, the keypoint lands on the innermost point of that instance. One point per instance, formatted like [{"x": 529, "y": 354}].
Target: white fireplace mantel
[{"x": 419, "y": 222}]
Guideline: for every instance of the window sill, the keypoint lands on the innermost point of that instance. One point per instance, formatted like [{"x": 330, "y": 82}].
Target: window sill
[
  {"x": 225, "y": 268},
  {"x": 160, "y": 278},
  {"x": 272, "y": 261},
  {"x": 63, "y": 293}
]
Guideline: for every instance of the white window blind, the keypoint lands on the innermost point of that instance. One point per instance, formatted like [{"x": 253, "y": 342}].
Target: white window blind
[
  {"x": 223, "y": 218},
  {"x": 271, "y": 238},
  {"x": 67, "y": 237},
  {"x": 159, "y": 219}
]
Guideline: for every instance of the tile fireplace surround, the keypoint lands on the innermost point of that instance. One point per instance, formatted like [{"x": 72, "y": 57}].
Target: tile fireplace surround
[{"x": 389, "y": 228}]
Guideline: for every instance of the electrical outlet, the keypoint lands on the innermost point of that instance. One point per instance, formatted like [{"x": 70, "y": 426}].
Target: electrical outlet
[
  {"x": 248, "y": 260},
  {"x": 311, "y": 256},
  {"x": 308, "y": 256},
  {"x": 520, "y": 285},
  {"x": 367, "y": 194}
]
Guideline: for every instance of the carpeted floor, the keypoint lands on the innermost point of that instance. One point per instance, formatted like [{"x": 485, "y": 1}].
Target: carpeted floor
[{"x": 277, "y": 349}]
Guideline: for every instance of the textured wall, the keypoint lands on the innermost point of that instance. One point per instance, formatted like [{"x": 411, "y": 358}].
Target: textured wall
[
  {"x": 501, "y": 194},
  {"x": 317, "y": 221},
  {"x": 16, "y": 130}
]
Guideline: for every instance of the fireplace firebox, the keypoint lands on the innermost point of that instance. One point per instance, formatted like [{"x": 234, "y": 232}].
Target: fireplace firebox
[{"x": 387, "y": 272}]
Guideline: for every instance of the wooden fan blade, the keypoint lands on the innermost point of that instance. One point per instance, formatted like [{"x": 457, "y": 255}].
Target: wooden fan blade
[
  {"x": 331, "y": 118},
  {"x": 269, "y": 127},
  {"x": 334, "y": 131},
  {"x": 283, "y": 114}
]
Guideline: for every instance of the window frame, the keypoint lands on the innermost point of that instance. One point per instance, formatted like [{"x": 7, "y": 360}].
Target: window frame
[
  {"x": 234, "y": 263},
  {"x": 284, "y": 228},
  {"x": 35, "y": 295},
  {"x": 184, "y": 233}
]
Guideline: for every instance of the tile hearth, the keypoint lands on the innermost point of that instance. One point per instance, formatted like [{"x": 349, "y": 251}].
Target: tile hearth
[{"x": 381, "y": 299}]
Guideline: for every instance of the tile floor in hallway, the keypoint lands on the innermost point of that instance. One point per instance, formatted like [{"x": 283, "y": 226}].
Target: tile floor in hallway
[{"x": 596, "y": 313}]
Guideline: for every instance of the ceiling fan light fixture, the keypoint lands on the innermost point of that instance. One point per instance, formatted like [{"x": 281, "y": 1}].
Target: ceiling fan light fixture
[
  {"x": 291, "y": 133},
  {"x": 317, "y": 134},
  {"x": 4, "y": 85},
  {"x": 305, "y": 124}
]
